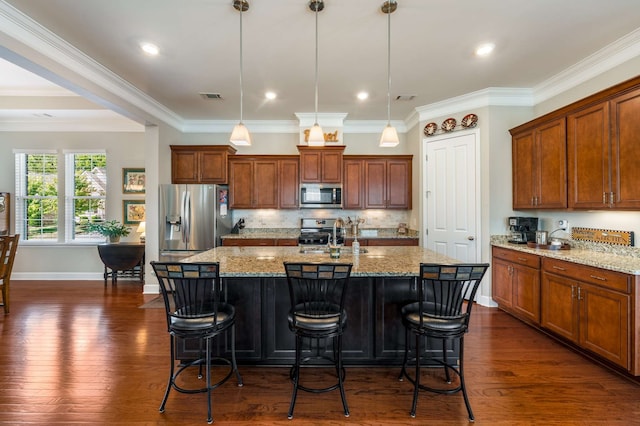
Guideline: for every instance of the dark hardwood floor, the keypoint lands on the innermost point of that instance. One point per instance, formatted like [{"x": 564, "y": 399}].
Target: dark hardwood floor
[{"x": 81, "y": 353}]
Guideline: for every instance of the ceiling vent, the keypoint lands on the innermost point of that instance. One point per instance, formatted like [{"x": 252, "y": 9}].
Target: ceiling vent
[
  {"x": 211, "y": 95},
  {"x": 405, "y": 97}
]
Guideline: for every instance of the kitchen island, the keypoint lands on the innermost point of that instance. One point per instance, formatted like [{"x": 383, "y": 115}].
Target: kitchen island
[{"x": 383, "y": 280}]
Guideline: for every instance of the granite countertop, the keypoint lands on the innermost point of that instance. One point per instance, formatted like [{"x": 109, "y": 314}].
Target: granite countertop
[
  {"x": 267, "y": 261},
  {"x": 294, "y": 233},
  {"x": 625, "y": 261}
]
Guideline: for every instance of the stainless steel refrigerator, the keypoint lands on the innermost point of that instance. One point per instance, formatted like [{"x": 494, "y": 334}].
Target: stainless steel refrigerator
[{"x": 193, "y": 219}]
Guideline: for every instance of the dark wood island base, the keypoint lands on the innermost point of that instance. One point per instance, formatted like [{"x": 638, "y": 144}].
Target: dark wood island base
[{"x": 382, "y": 282}]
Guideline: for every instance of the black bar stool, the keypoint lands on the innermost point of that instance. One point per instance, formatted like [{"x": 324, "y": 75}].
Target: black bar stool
[
  {"x": 317, "y": 292},
  {"x": 440, "y": 313},
  {"x": 193, "y": 302}
]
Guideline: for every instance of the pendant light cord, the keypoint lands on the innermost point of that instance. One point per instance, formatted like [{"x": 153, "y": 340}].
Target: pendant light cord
[
  {"x": 389, "y": 65},
  {"x": 241, "y": 67},
  {"x": 316, "y": 11}
]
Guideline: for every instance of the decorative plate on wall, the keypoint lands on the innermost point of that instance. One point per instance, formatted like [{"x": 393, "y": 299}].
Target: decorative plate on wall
[
  {"x": 449, "y": 124},
  {"x": 430, "y": 129},
  {"x": 469, "y": 121}
]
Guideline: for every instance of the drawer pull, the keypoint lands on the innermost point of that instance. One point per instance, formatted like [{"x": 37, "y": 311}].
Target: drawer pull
[
  {"x": 597, "y": 278},
  {"x": 559, "y": 268},
  {"x": 522, "y": 259}
]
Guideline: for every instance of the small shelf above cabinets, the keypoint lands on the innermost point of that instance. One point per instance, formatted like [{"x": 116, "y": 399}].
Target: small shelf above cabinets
[
  {"x": 200, "y": 163},
  {"x": 321, "y": 164}
]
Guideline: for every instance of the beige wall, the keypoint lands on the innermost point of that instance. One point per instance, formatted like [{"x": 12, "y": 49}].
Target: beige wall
[{"x": 53, "y": 261}]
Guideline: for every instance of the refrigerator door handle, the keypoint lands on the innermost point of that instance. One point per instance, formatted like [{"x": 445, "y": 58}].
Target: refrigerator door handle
[
  {"x": 182, "y": 216},
  {"x": 187, "y": 218}
]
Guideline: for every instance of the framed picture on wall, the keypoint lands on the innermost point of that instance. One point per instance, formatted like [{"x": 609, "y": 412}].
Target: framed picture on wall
[
  {"x": 133, "y": 211},
  {"x": 133, "y": 181}
]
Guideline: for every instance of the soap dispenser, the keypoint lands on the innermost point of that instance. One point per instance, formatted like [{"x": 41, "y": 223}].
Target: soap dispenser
[{"x": 355, "y": 246}]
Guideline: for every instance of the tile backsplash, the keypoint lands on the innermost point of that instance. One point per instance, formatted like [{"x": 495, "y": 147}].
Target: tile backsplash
[{"x": 291, "y": 218}]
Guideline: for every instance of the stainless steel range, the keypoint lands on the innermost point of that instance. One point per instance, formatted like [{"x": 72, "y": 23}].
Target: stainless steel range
[{"x": 317, "y": 231}]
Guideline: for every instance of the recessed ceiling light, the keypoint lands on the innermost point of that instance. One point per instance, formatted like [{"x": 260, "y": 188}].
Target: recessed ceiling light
[
  {"x": 270, "y": 95},
  {"x": 485, "y": 49},
  {"x": 149, "y": 48},
  {"x": 363, "y": 95}
]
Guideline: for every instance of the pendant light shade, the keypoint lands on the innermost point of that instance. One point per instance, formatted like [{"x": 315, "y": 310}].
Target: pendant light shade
[
  {"x": 316, "y": 135},
  {"x": 240, "y": 135},
  {"x": 389, "y": 136}
]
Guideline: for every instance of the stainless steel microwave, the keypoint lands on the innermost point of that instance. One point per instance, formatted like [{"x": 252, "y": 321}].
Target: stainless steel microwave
[{"x": 320, "y": 196}]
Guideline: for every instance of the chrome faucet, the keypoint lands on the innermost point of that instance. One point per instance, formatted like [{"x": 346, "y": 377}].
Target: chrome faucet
[{"x": 336, "y": 223}]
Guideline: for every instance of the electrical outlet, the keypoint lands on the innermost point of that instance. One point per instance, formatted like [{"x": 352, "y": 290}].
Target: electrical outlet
[{"x": 563, "y": 224}]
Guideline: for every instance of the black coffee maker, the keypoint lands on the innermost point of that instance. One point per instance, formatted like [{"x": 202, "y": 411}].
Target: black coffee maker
[{"x": 522, "y": 229}]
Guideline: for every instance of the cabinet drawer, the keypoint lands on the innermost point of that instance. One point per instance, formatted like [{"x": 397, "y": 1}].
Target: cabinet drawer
[
  {"x": 519, "y": 257},
  {"x": 588, "y": 274}
]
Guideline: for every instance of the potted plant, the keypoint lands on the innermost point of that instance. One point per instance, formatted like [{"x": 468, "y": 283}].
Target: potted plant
[{"x": 112, "y": 229}]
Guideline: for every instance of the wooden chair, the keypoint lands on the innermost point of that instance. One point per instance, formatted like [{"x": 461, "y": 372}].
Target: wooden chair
[{"x": 8, "y": 247}]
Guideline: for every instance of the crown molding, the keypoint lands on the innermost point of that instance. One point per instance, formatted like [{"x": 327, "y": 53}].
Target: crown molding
[
  {"x": 493, "y": 96},
  {"x": 605, "y": 59}
]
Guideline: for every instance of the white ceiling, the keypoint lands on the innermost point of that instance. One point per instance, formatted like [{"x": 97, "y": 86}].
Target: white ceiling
[{"x": 432, "y": 53}]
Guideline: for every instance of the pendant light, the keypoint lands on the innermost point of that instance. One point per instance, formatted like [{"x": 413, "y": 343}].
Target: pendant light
[
  {"x": 316, "y": 135},
  {"x": 389, "y": 136},
  {"x": 240, "y": 135}
]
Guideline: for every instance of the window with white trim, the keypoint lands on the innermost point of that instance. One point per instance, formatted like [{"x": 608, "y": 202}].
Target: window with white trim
[
  {"x": 85, "y": 193},
  {"x": 37, "y": 195},
  {"x": 45, "y": 213}
]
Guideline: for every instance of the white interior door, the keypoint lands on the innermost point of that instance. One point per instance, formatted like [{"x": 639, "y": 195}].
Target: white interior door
[{"x": 452, "y": 208}]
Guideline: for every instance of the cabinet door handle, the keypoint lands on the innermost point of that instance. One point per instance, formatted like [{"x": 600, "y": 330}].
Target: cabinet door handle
[
  {"x": 533, "y": 201},
  {"x": 595, "y": 277},
  {"x": 579, "y": 293},
  {"x": 559, "y": 268},
  {"x": 612, "y": 198},
  {"x": 604, "y": 198},
  {"x": 573, "y": 292}
]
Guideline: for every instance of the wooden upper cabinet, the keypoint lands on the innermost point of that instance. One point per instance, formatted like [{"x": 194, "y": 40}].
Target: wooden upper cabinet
[
  {"x": 263, "y": 182},
  {"x": 321, "y": 164},
  {"x": 289, "y": 178},
  {"x": 625, "y": 150},
  {"x": 387, "y": 183},
  {"x": 604, "y": 153},
  {"x": 253, "y": 183},
  {"x": 588, "y": 157},
  {"x": 200, "y": 163},
  {"x": 353, "y": 184},
  {"x": 539, "y": 167}
]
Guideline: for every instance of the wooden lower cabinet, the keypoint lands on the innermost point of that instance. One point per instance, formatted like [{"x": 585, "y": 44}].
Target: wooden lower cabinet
[
  {"x": 516, "y": 283},
  {"x": 594, "y": 316},
  {"x": 592, "y": 309},
  {"x": 374, "y": 334}
]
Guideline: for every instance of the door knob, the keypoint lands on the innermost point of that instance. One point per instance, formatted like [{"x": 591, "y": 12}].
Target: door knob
[{"x": 471, "y": 238}]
